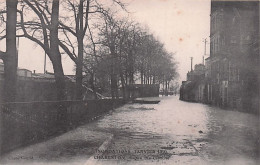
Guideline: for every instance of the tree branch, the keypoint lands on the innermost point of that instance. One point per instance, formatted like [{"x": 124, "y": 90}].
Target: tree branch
[
  {"x": 3, "y": 11},
  {"x": 26, "y": 35},
  {"x": 70, "y": 44},
  {"x": 41, "y": 11},
  {"x": 86, "y": 19},
  {"x": 63, "y": 26},
  {"x": 2, "y": 37},
  {"x": 66, "y": 49},
  {"x": 45, "y": 34},
  {"x": 2, "y": 55}
]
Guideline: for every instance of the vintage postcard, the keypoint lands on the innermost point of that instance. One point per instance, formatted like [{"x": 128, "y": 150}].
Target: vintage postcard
[{"x": 136, "y": 82}]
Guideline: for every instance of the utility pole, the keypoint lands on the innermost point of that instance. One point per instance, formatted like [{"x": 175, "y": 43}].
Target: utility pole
[
  {"x": 44, "y": 69},
  {"x": 205, "y": 42},
  {"x": 191, "y": 58}
]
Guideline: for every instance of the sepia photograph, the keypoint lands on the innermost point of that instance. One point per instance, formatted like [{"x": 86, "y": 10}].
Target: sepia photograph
[{"x": 130, "y": 82}]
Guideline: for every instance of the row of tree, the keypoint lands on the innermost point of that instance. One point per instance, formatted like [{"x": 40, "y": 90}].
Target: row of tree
[
  {"x": 127, "y": 53},
  {"x": 107, "y": 48}
]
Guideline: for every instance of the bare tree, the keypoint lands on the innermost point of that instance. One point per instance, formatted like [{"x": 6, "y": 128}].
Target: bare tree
[
  {"x": 43, "y": 30},
  {"x": 81, "y": 17},
  {"x": 133, "y": 54},
  {"x": 109, "y": 37},
  {"x": 77, "y": 28}
]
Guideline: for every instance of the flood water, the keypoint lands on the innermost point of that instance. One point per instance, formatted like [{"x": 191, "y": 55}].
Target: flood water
[
  {"x": 177, "y": 132},
  {"x": 171, "y": 132}
]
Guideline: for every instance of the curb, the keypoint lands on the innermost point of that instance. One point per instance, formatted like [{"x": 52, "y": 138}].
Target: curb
[{"x": 104, "y": 146}]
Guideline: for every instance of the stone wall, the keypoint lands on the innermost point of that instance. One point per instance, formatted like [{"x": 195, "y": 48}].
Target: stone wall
[
  {"x": 35, "y": 114},
  {"x": 26, "y": 123}
]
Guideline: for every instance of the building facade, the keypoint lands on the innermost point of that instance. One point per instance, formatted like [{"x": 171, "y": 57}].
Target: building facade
[
  {"x": 231, "y": 76},
  {"x": 233, "y": 66}
]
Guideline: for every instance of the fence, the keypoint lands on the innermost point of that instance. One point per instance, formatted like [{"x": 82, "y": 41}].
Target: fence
[{"x": 24, "y": 123}]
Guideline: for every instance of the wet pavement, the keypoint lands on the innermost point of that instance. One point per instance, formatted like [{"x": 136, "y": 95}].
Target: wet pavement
[{"x": 171, "y": 132}]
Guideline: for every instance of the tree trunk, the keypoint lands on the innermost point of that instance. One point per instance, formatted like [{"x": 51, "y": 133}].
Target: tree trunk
[
  {"x": 114, "y": 90},
  {"x": 59, "y": 78},
  {"x": 142, "y": 77},
  {"x": 163, "y": 87},
  {"x": 111, "y": 86},
  {"x": 57, "y": 64},
  {"x": 131, "y": 62},
  {"x": 127, "y": 89},
  {"x": 79, "y": 65},
  {"x": 123, "y": 84},
  {"x": 166, "y": 88},
  {"x": 55, "y": 53},
  {"x": 11, "y": 57},
  {"x": 92, "y": 83},
  {"x": 79, "y": 75}
]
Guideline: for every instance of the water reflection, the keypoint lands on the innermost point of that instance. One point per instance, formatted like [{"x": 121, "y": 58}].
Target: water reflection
[{"x": 205, "y": 134}]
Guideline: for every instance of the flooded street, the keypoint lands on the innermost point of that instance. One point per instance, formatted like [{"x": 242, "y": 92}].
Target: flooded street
[
  {"x": 171, "y": 132},
  {"x": 129, "y": 82},
  {"x": 177, "y": 132}
]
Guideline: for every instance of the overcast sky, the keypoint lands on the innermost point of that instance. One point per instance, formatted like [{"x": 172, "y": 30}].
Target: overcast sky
[{"x": 180, "y": 24}]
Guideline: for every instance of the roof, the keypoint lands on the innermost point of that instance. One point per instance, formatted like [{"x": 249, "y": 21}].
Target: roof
[
  {"x": 42, "y": 75},
  {"x": 23, "y": 69}
]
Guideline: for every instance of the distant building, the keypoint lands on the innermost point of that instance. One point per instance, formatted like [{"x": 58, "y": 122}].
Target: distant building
[
  {"x": 28, "y": 83},
  {"x": 43, "y": 77},
  {"x": 197, "y": 73},
  {"x": 21, "y": 73},
  {"x": 143, "y": 90},
  {"x": 24, "y": 73},
  {"x": 193, "y": 89}
]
